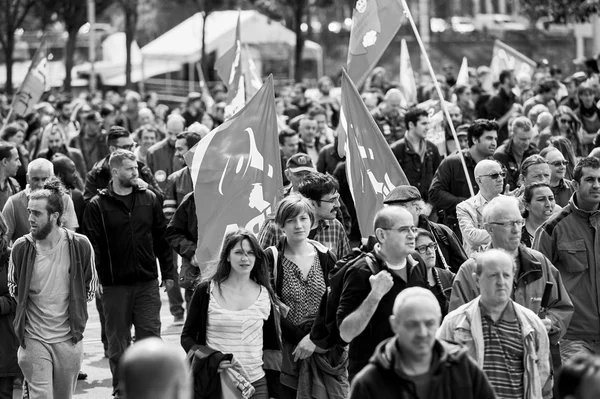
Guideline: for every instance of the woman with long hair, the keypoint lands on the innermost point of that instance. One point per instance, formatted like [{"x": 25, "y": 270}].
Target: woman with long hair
[
  {"x": 565, "y": 123},
  {"x": 233, "y": 312},
  {"x": 589, "y": 115},
  {"x": 539, "y": 206},
  {"x": 563, "y": 145}
]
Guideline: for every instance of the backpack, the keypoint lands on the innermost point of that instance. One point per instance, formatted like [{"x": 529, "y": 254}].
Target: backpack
[{"x": 325, "y": 332}]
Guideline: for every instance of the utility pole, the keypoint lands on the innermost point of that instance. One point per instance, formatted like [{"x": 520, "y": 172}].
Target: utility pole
[{"x": 91, "y": 14}]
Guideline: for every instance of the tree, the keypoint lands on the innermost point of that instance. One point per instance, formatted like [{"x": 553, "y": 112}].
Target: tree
[
  {"x": 12, "y": 14},
  {"x": 561, "y": 10},
  {"x": 130, "y": 11}
]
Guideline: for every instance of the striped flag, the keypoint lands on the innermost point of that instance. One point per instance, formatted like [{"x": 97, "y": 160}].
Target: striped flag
[
  {"x": 236, "y": 171},
  {"x": 408, "y": 86}
]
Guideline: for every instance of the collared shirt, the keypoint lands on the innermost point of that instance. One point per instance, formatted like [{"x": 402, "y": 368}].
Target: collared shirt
[
  {"x": 563, "y": 192},
  {"x": 330, "y": 233}
]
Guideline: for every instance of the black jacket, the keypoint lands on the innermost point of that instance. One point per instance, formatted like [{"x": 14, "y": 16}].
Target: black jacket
[
  {"x": 418, "y": 172},
  {"x": 448, "y": 242},
  {"x": 127, "y": 242},
  {"x": 505, "y": 156},
  {"x": 453, "y": 375},
  {"x": 9, "y": 344},
  {"x": 182, "y": 235}
]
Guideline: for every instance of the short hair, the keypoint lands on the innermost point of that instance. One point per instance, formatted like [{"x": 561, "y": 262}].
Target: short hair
[
  {"x": 115, "y": 133},
  {"x": 587, "y": 162},
  {"x": 574, "y": 374},
  {"x": 191, "y": 138},
  {"x": 145, "y": 128},
  {"x": 116, "y": 158},
  {"x": 505, "y": 74},
  {"x": 293, "y": 206},
  {"x": 386, "y": 217},
  {"x": 521, "y": 122},
  {"x": 493, "y": 254},
  {"x": 547, "y": 85},
  {"x": 6, "y": 149},
  {"x": 133, "y": 95},
  {"x": 413, "y": 293},
  {"x": 106, "y": 110},
  {"x": 529, "y": 190},
  {"x": 11, "y": 130},
  {"x": 545, "y": 151},
  {"x": 413, "y": 115},
  {"x": 285, "y": 134},
  {"x": 480, "y": 126},
  {"x": 316, "y": 110},
  {"x": 315, "y": 185},
  {"x": 53, "y": 192},
  {"x": 530, "y": 161},
  {"x": 40, "y": 164},
  {"x": 498, "y": 204},
  {"x": 424, "y": 233}
]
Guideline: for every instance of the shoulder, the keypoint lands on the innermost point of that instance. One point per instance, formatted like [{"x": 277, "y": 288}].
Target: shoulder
[
  {"x": 74, "y": 151},
  {"x": 557, "y": 219},
  {"x": 501, "y": 151},
  {"x": 157, "y": 147},
  {"x": 466, "y": 204},
  {"x": 528, "y": 315},
  {"x": 21, "y": 243},
  {"x": 399, "y": 145}
]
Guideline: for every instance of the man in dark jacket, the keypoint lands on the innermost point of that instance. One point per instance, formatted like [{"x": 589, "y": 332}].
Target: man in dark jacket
[
  {"x": 98, "y": 178},
  {"x": 126, "y": 226},
  {"x": 413, "y": 363},
  {"x": 161, "y": 157}
]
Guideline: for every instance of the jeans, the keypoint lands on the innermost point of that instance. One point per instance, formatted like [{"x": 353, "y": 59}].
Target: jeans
[
  {"x": 174, "y": 294},
  {"x": 124, "y": 305},
  {"x": 261, "y": 389},
  {"x": 569, "y": 348}
]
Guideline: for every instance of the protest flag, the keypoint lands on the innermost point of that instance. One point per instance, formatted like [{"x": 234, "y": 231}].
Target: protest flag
[
  {"x": 463, "y": 74},
  {"x": 251, "y": 75},
  {"x": 208, "y": 99},
  {"x": 229, "y": 69},
  {"x": 374, "y": 25},
  {"x": 371, "y": 167},
  {"x": 236, "y": 171},
  {"x": 408, "y": 86},
  {"x": 506, "y": 57}
]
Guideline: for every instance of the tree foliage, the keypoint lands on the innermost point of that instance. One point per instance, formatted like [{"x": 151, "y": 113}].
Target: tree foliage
[{"x": 561, "y": 10}]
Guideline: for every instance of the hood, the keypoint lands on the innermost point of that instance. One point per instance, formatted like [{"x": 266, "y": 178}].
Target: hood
[{"x": 108, "y": 191}]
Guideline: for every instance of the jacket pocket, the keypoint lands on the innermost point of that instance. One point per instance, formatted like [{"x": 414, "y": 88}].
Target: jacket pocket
[{"x": 573, "y": 255}]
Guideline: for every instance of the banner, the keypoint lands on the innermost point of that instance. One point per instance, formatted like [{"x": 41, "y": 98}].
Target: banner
[
  {"x": 436, "y": 133},
  {"x": 236, "y": 171},
  {"x": 463, "y": 74},
  {"x": 208, "y": 99},
  {"x": 371, "y": 167},
  {"x": 506, "y": 57},
  {"x": 34, "y": 84},
  {"x": 374, "y": 25},
  {"x": 408, "y": 86},
  {"x": 229, "y": 69}
]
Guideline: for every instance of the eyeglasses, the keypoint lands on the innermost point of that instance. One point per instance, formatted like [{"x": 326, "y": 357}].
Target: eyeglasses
[
  {"x": 332, "y": 200},
  {"x": 559, "y": 163},
  {"x": 127, "y": 147},
  {"x": 405, "y": 229},
  {"x": 565, "y": 120},
  {"x": 511, "y": 223},
  {"x": 422, "y": 249},
  {"x": 494, "y": 176}
]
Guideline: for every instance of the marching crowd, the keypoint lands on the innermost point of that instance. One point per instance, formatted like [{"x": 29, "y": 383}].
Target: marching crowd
[{"x": 482, "y": 292}]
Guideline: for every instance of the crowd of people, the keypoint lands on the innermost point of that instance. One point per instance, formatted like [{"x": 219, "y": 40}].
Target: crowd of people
[{"x": 472, "y": 286}]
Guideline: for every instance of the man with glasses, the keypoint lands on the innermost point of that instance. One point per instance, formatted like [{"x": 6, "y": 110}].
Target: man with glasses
[
  {"x": 562, "y": 188},
  {"x": 489, "y": 176},
  {"x": 367, "y": 299},
  {"x": 503, "y": 221},
  {"x": 570, "y": 239},
  {"x": 98, "y": 178},
  {"x": 516, "y": 149}
]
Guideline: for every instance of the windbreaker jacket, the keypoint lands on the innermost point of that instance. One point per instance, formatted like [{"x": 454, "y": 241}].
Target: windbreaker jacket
[
  {"x": 83, "y": 281},
  {"x": 470, "y": 220},
  {"x": 571, "y": 240},
  {"x": 534, "y": 271},
  {"x": 162, "y": 161},
  {"x": 453, "y": 375},
  {"x": 463, "y": 326},
  {"x": 127, "y": 242}
]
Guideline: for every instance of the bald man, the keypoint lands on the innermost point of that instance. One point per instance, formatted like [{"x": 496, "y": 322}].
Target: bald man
[
  {"x": 366, "y": 300},
  {"x": 389, "y": 115},
  {"x": 151, "y": 369},
  {"x": 507, "y": 340},
  {"x": 489, "y": 176},
  {"x": 405, "y": 364},
  {"x": 161, "y": 157}
]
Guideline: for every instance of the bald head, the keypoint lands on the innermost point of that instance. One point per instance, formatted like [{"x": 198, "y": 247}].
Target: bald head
[
  {"x": 544, "y": 120},
  {"x": 389, "y": 217},
  {"x": 175, "y": 125},
  {"x": 150, "y": 369},
  {"x": 485, "y": 167},
  {"x": 40, "y": 164},
  {"x": 415, "y": 296},
  {"x": 595, "y": 153}
]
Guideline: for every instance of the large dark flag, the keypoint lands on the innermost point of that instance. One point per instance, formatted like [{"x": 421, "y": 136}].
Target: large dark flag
[
  {"x": 371, "y": 167},
  {"x": 236, "y": 171},
  {"x": 374, "y": 25}
]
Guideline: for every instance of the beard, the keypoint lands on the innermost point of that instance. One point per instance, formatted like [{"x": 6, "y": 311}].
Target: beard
[
  {"x": 126, "y": 183},
  {"x": 42, "y": 231}
]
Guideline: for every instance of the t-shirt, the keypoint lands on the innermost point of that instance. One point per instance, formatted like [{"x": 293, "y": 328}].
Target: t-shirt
[
  {"x": 126, "y": 199},
  {"x": 47, "y": 311}
]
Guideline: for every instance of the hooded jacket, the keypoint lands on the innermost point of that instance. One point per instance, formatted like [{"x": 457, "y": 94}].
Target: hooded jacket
[
  {"x": 453, "y": 375},
  {"x": 128, "y": 241}
]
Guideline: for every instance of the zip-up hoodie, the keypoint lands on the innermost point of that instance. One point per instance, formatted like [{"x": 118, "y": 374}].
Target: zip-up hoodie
[
  {"x": 128, "y": 241},
  {"x": 83, "y": 281},
  {"x": 453, "y": 375}
]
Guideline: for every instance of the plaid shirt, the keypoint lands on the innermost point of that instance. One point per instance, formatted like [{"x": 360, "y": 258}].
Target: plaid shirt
[{"x": 330, "y": 233}]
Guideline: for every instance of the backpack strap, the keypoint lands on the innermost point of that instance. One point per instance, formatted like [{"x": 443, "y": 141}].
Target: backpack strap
[
  {"x": 275, "y": 253},
  {"x": 372, "y": 263}
]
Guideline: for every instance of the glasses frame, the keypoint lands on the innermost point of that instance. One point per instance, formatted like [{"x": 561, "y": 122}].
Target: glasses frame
[
  {"x": 510, "y": 223},
  {"x": 405, "y": 229},
  {"x": 559, "y": 163},
  {"x": 495, "y": 176},
  {"x": 422, "y": 249},
  {"x": 333, "y": 200}
]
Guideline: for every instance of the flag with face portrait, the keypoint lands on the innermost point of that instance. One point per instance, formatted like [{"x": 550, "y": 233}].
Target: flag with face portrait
[
  {"x": 236, "y": 171},
  {"x": 371, "y": 167}
]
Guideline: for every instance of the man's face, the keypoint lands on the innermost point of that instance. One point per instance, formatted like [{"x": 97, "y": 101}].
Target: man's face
[
  {"x": 399, "y": 239},
  {"x": 37, "y": 177},
  {"x": 329, "y": 206},
  {"x": 321, "y": 120},
  {"x": 148, "y": 139},
  {"x": 490, "y": 179},
  {"x": 132, "y": 105},
  {"x": 66, "y": 111},
  {"x": 290, "y": 147},
  {"x": 588, "y": 189},
  {"x": 510, "y": 81},
  {"x": 495, "y": 282},
  {"x": 296, "y": 177},
  {"x": 456, "y": 116},
  {"x": 505, "y": 228},
  {"x": 521, "y": 140},
  {"x": 55, "y": 141},
  {"x": 487, "y": 142},
  {"x": 421, "y": 127},
  {"x": 92, "y": 128},
  {"x": 127, "y": 173},
  {"x": 40, "y": 221},
  {"x": 326, "y": 86},
  {"x": 181, "y": 148},
  {"x": 146, "y": 118},
  {"x": 123, "y": 143},
  {"x": 110, "y": 119},
  {"x": 13, "y": 163},
  {"x": 415, "y": 327},
  {"x": 537, "y": 173},
  {"x": 587, "y": 99},
  {"x": 308, "y": 130},
  {"x": 463, "y": 141},
  {"x": 174, "y": 127}
]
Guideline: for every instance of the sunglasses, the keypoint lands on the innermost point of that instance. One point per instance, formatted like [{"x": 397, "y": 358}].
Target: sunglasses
[
  {"x": 495, "y": 176},
  {"x": 565, "y": 120},
  {"x": 559, "y": 163}
]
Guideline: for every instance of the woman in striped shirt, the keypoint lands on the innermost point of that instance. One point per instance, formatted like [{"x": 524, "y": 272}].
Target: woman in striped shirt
[{"x": 233, "y": 313}]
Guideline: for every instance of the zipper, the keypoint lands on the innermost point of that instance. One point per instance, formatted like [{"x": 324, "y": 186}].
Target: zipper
[{"x": 110, "y": 265}]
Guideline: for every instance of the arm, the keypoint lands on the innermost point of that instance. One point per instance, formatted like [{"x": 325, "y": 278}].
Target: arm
[
  {"x": 170, "y": 200},
  {"x": 177, "y": 233},
  {"x": 8, "y": 213},
  {"x": 543, "y": 358},
  {"x": 89, "y": 270},
  {"x": 464, "y": 288},
  {"x": 360, "y": 390},
  {"x": 192, "y": 326},
  {"x": 544, "y": 243},
  {"x": 13, "y": 276},
  {"x": 560, "y": 307},
  {"x": 321, "y": 165},
  {"x": 94, "y": 231},
  {"x": 440, "y": 193},
  {"x": 482, "y": 389},
  {"x": 472, "y": 235},
  {"x": 91, "y": 186},
  {"x": 161, "y": 246},
  {"x": 446, "y": 330},
  {"x": 69, "y": 217},
  {"x": 456, "y": 252}
]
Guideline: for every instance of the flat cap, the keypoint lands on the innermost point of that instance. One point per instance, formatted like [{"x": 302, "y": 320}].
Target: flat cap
[{"x": 402, "y": 194}]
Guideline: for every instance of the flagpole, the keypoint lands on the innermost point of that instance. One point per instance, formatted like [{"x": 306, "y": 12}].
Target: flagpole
[{"x": 440, "y": 94}]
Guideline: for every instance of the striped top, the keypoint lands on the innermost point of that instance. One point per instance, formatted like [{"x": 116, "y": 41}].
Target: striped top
[
  {"x": 302, "y": 296},
  {"x": 503, "y": 355},
  {"x": 239, "y": 332}
]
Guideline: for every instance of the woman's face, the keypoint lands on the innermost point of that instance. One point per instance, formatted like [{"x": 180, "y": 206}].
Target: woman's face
[
  {"x": 207, "y": 121},
  {"x": 298, "y": 228},
  {"x": 465, "y": 97},
  {"x": 17, "y": 138},
  {"x": 558, "y": 164},
  {"x": 242, "y": 258},
  {"x": 587, "y": 98},
  {"x": 564, "y": 122},
  {"x": 542, "y": 203},
  {"x": 425, "y": 243}
]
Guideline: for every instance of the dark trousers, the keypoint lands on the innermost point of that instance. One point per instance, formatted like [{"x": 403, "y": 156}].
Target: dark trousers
[
  {"x": 6, "y": 387},
  {"x": 125, "y": 305},
  {"x": 174, "y": 294},
  {"x": 100, "y": 310}
]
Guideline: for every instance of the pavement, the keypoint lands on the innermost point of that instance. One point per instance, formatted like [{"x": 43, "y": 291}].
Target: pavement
[{"x": 98, "y": 384}]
